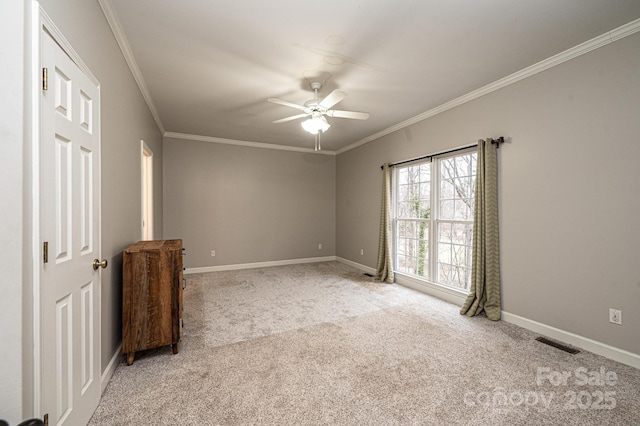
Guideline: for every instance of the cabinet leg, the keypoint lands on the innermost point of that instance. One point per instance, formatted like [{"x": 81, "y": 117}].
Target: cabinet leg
[
  {"x": 174, "y": 346},
  {"x": 130, "y": 357}
]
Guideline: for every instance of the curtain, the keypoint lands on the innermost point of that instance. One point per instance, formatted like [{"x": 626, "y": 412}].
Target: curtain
[
  {"x": 484, "y": 293},
  {"x": 384, "y": 269}
]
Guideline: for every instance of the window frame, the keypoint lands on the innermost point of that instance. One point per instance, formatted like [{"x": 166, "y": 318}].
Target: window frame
[{"x": 433, "y": 222}]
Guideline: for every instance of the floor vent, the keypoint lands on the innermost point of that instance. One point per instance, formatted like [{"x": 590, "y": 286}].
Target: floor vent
[{"x": 557, "y": 345}]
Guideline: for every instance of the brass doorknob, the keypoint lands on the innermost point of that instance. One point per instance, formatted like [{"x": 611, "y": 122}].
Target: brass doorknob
[{"x": 97, "y": 264}]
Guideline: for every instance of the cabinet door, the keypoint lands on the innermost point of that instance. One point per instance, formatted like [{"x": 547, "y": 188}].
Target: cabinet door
[
  {"x": 159, "y": 295},
  {"x": 135, "y": 299}
]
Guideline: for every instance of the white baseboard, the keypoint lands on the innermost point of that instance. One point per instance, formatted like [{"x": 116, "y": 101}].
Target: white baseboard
[
  {"x": 360, "y": 266},
  {"x": 599, "y": 348},
  {"x": 258, "y": 265},
  {"x": 111, "y": 368}
]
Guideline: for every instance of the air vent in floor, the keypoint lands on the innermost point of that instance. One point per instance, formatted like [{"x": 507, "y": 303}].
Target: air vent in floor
[{"x": 557, "y": 345}]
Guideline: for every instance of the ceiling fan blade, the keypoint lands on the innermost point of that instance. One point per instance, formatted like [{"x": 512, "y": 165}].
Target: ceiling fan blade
[
  {"x": 333, "y": 98},
  {"x": 348, "y": 114},
  {"x": 293, "y": 117},
  {"x": 289, "y": 104}
]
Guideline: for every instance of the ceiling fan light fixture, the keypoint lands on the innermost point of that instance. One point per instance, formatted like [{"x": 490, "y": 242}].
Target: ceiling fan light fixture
[{"x": 316, "y": 124}]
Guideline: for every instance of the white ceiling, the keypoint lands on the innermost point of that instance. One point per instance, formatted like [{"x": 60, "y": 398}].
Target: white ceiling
[{"x": 210, "y": 65}]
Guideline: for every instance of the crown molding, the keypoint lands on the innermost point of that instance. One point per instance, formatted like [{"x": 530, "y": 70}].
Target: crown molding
[
  {"x": 125, "y": 48},
  {"x": 581, "y": 49},
  {"x": 625, "y": 30},
  {"x": 211, "y": 139}
]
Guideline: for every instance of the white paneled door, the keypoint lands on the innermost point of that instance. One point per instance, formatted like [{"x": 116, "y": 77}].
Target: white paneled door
[{"x": 69, "y": 194}]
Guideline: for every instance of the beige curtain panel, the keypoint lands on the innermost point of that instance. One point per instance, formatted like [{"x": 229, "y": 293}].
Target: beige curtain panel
[
  {"x": 384, "y": 269},
  {"x": 484, "y": 293}
]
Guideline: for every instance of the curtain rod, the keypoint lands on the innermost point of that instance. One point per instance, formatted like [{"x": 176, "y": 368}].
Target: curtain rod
[{"x": 497, "y": 142}]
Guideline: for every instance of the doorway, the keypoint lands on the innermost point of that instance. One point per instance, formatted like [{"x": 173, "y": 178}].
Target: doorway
[{"x": 147, "y": 191}]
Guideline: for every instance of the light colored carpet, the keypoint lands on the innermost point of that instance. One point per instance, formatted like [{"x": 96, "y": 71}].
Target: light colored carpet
[
  {"x": 323, "y": 344},
  {"x": 244, "y": 305}
]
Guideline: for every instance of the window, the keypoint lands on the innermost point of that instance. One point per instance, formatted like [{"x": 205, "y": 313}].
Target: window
[{"x": 433, "y": 218}]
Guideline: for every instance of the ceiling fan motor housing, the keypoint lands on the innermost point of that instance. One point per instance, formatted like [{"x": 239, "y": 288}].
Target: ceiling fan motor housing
[{"x": 313, "y": 105}]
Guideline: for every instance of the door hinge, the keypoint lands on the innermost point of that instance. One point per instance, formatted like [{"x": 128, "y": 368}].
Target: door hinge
[
  {"x": 46, "y": 419},
  {"x": 45, "y": 252},
  {"x": 45, "y": 79}
]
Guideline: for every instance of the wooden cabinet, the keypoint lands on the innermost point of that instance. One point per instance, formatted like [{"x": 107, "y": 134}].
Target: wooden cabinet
[{"x": 151, "y": 296}]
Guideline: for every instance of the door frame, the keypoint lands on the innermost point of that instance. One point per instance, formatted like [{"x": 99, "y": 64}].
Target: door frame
[
  {"x": 146, "y": 190},
  {"x": 41, "y": 23}
]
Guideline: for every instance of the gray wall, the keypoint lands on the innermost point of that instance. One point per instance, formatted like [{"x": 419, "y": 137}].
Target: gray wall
[
  {"x": 569, "y": 189},
  {"x": 248, "y": 204},
  {"x": 125, "y": 121},
  {"x": 11, "y": 209}
]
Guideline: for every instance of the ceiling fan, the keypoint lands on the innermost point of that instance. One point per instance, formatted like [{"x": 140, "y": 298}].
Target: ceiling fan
[{"x": 317, "y": 109}]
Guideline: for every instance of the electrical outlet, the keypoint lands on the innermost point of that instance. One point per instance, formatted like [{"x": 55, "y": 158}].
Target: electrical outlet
[
  {"x": 615, "y": 316},
  {"x": 320, "y": 246},
  {"x": 361, "y": 252},
  {"x": 213, "y": 253}
]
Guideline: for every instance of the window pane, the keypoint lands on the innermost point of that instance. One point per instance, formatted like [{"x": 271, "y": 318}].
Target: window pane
[
  {"x": 425, "y": 191},
  {"x": 412, "y": 204},
  {"x": 410, "y": 229},
  {"x": 463, "y": 210},
  {"x": 401, "y": 263},
  {"x": 410, "y": 266},
  {"x": 412, "y": 245},
  {"x": 425, "y": 172},
  {"x": 446, "y": 189},
  {"x": 462, "y": 165},
  {"x": 403, "y": 193},
  {"x": 444, "y": 273},
  {"x": 459, "y": 277},
  {"x": 414, "y": 192},
  {"x": 444, "y": 253},
  {"x": 454, "y": 253},
  {"x": 422, "y": 267},
  {"x": 445, "y": 233},
  {"x": 403, "y": 210},
  {"x": 423, "y": 242},
  {"x": 463, "y": 187},
  {"x": 459, "y": 255},
  {"x": 400, "y": 229},
  {"x": 401, "y": 247},
  {"x": 447, "y": 168},
  {"x": 402, "y": 176},
  {"x": 447, "y": 209},
  {"x": 461, "y": 233},
  {"x": 425, "y": 209}
]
